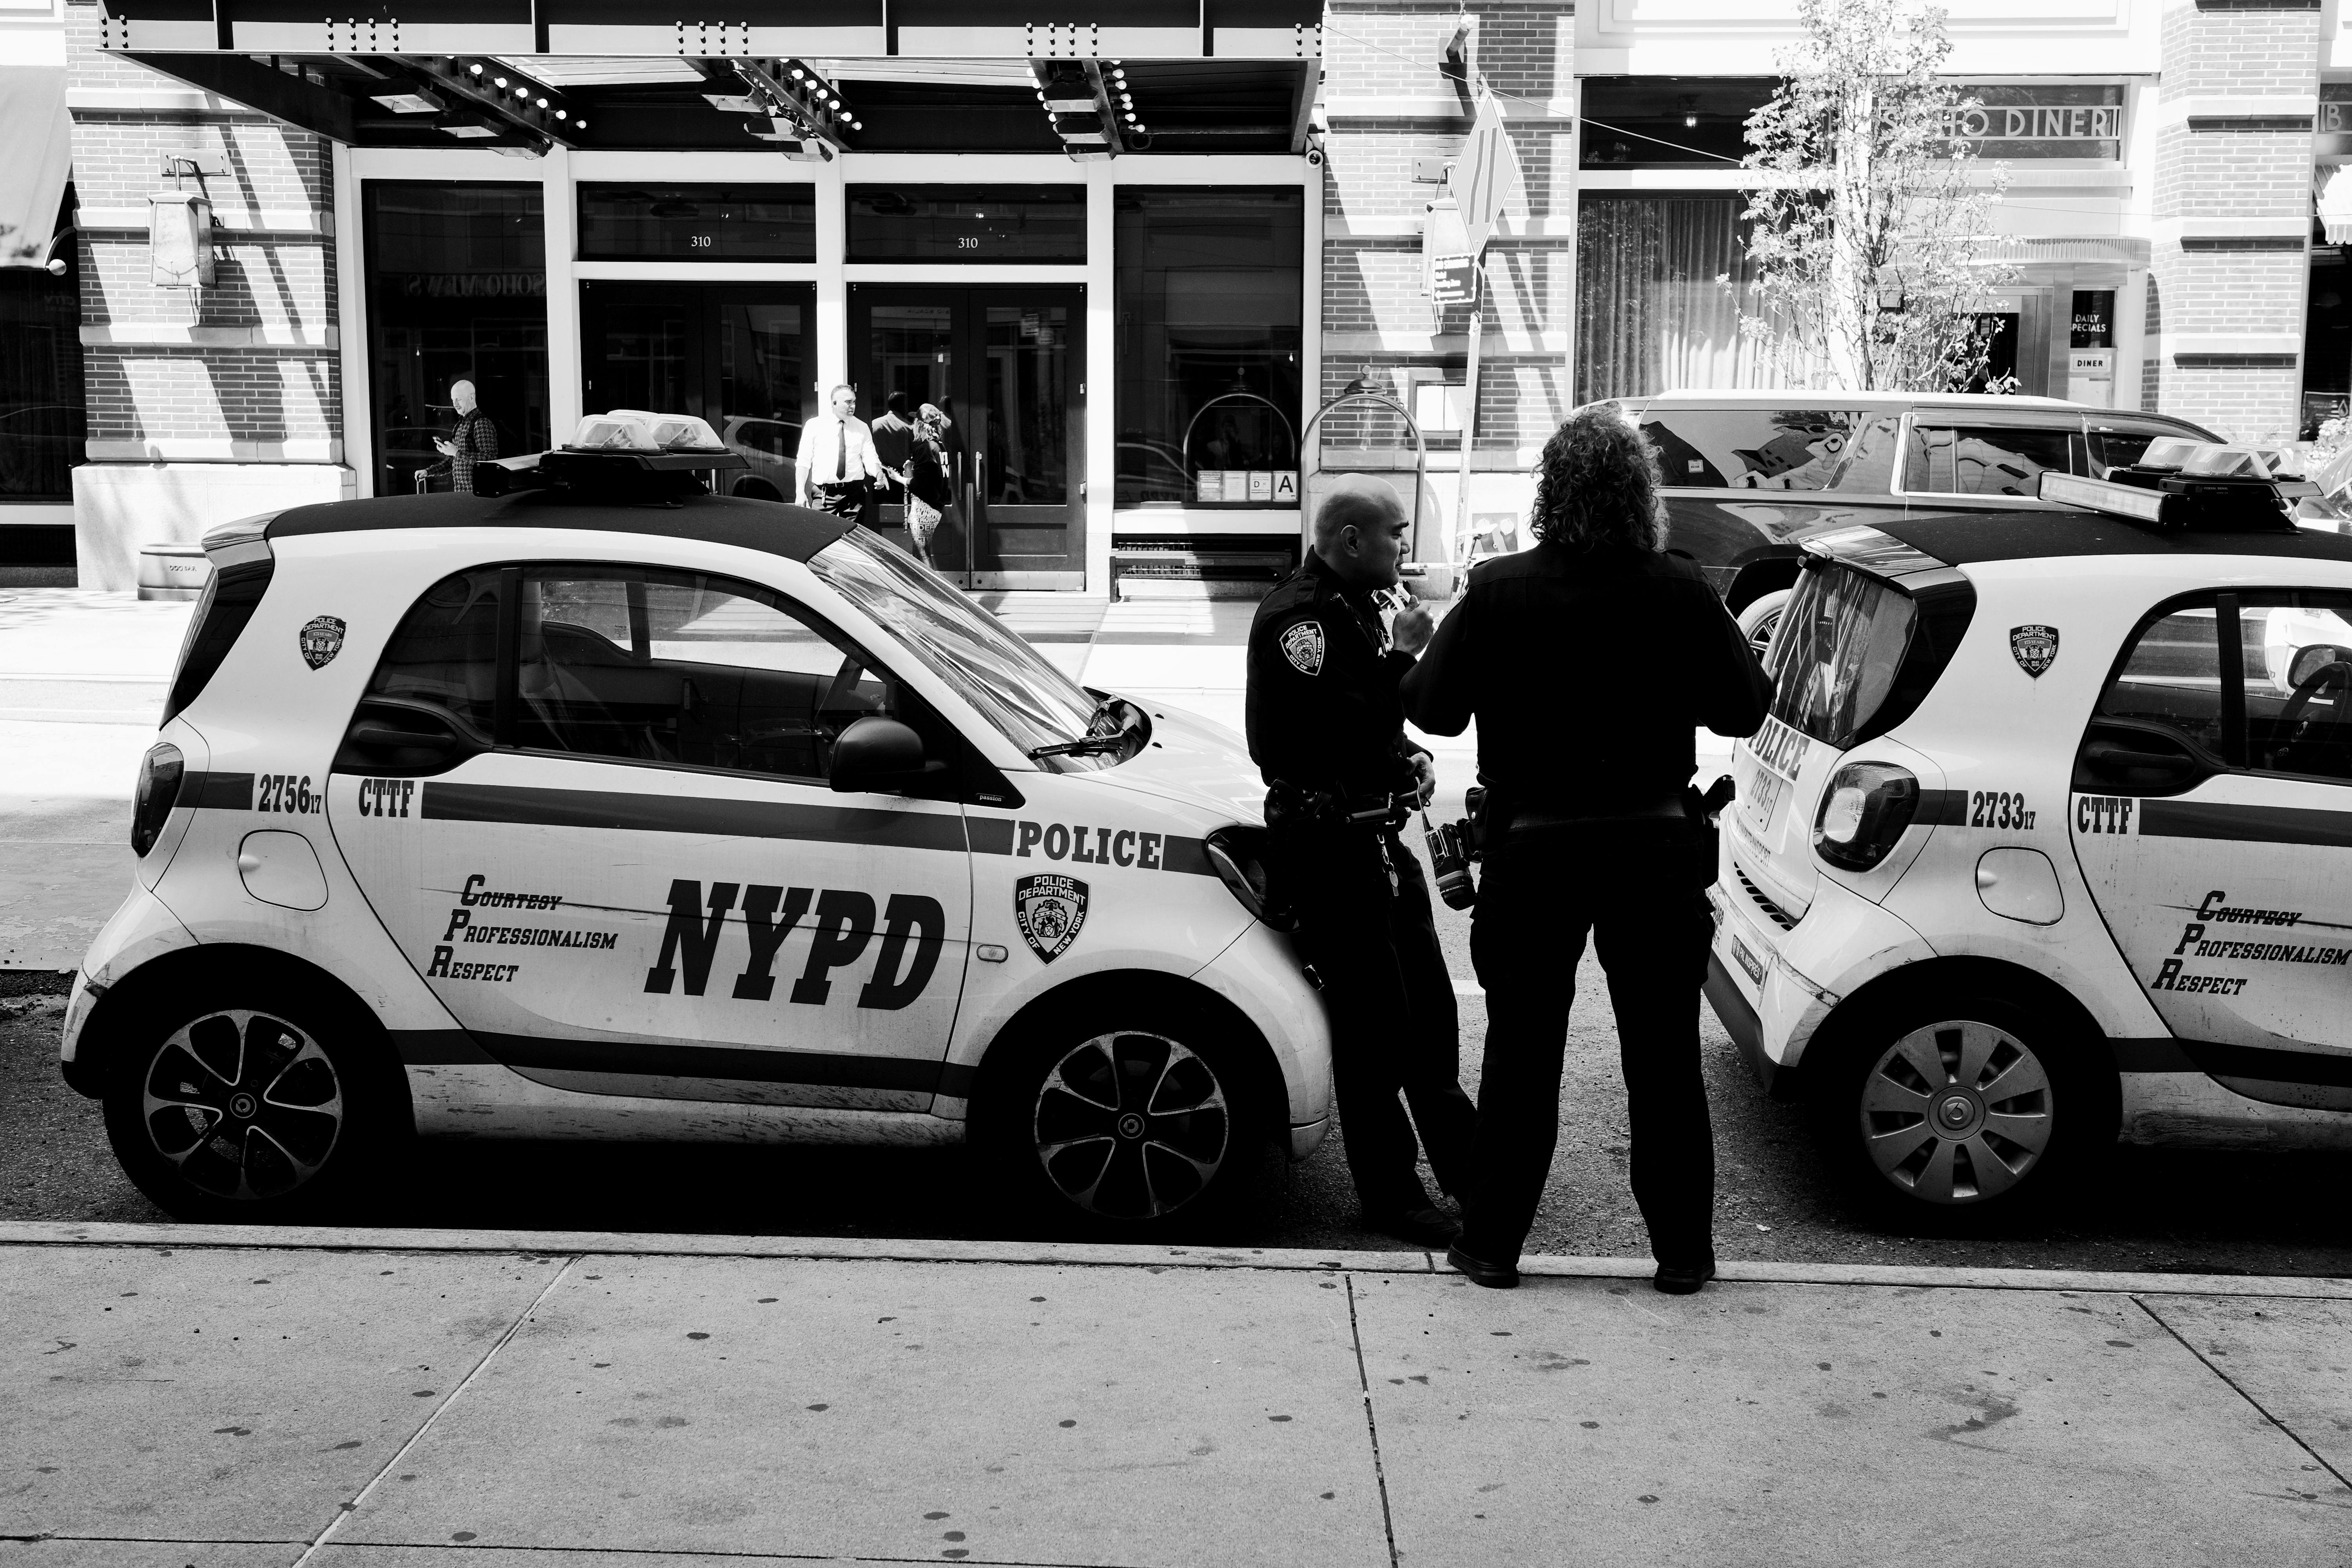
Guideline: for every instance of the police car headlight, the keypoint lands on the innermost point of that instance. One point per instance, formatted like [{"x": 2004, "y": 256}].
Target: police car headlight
[
  {"x": 1238, "y": 855},
  {"x": 1863, "y": 811},
  {"x": 158, "y": 790}
]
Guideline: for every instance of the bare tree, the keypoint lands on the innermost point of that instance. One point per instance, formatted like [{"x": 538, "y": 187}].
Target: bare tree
[{"x": 1870, "y": 229}]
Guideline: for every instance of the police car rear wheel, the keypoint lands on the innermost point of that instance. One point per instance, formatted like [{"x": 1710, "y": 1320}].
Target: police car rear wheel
[
  {"x": 226, "y": 1110},
  {"x": 1127, "y": 1129},
  {"x": 1963, "y": 1103}
]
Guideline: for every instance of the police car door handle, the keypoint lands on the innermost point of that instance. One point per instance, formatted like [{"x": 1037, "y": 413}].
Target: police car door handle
[{"x": 2108, "y": 754}]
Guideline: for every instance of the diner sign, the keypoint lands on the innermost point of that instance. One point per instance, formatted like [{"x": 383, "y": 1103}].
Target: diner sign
[{"x": 2053, "y": 121}]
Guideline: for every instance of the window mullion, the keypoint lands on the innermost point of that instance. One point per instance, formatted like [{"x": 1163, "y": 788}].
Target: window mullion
[{"x": 2232, "y": 656}]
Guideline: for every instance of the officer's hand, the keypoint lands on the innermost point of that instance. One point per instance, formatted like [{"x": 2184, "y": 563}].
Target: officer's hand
[
  {"x": 1413, "y": 628},
  {"x": 1424, "y": 777}
]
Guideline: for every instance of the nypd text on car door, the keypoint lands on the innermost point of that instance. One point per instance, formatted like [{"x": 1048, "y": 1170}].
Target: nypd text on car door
[{"x": 641, "y": 883}]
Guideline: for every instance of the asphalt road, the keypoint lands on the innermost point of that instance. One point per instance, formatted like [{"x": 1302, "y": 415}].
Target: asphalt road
[{"x": 2147, "y": 1209}]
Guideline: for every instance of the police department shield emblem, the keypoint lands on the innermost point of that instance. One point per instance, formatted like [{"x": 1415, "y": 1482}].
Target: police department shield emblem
[
  {"x": 1050, "y": 908},
  {"x": 322, "y": 639},
  {"x": 1302, "y": 645},
  {"x": 2035, "y": 648}
]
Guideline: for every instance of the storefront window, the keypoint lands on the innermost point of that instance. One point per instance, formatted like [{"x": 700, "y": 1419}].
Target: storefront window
[
  {"x": 41, "y": 428},
  {"x": 1660, "y": 282},
  {"x": 1209, "y": 284},
  {"x": 967, "y": 223},
  {"x": 456, "y": 291},
  {"x": 1669, "y": 119},
  {"x": 698, "y": 223}
]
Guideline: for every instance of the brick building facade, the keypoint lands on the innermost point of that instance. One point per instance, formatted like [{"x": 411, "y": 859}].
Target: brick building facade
[
  {"x": 203, "y": 404},
  {"x": 2174, "y": 195}
]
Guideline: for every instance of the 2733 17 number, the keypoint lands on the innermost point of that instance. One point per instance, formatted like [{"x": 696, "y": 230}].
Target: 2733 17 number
[{"x": 1998, "y": 808}]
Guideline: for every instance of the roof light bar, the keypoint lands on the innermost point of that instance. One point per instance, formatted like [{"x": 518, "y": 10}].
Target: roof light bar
[{"x": 2180, "y": 483}]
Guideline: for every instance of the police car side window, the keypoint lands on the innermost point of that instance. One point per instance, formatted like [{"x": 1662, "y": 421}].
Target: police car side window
[
  {"x": 684, "y": 669},
  {"x": 2297, "y": 659},
  {"x": 2173, "y": 677},
  {"x": 444, "y": 652}
]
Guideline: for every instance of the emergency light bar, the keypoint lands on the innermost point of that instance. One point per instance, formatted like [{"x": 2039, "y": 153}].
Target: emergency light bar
[
  {"x": 2185, "y": 484},
  {"x": 631, "y": 449}
]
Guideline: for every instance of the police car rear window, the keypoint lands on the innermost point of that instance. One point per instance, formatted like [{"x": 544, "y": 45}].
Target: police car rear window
[
  {"x": 222, "y": 612},
  {"x": 1854, "y": 656}
]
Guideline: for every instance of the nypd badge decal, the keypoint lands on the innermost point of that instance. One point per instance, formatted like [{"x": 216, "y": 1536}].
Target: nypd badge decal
[
  {"x": 322, "y": 639},
  {"x": 1302, "y": 645},
  {"x": 1050, "y": 908},
  {"x": 2035, "y": 648}
]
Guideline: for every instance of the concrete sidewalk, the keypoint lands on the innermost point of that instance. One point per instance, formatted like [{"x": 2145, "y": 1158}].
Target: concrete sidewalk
[{"x": 175, "y": 1395}]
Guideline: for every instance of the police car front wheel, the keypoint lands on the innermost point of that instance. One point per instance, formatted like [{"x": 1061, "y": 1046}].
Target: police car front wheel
[
  {"x": 1958, "y": 1102},
  {"x": 1131, "y": 1126},
  {"x": 234, "y": 1107}
]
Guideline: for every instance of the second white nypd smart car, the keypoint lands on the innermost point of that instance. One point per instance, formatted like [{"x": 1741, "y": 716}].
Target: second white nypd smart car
[
  {"x": 2048, "y": 840},
  {"x": 606, "y": 807}
]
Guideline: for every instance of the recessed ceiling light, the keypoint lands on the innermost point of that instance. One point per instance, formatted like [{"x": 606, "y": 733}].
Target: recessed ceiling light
[{"x": 476, "y": 69}]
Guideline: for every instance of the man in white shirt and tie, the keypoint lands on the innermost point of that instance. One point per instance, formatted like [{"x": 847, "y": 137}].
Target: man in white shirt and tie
[{"x": 836, "y": 462}]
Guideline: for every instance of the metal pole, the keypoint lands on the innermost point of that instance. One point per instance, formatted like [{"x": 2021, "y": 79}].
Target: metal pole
[{"x": 1461, "y": 552}]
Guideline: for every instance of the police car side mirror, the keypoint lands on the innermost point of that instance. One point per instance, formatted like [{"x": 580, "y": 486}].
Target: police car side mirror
[{"x": 878, "y": 753}]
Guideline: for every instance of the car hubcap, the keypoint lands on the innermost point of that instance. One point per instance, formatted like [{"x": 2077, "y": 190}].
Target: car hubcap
[
  {"x": 1131, "y": 1126},
  {"x": 1957, "y": 1112},
  {"x": 243, "y": 1105},
  {"x": 1759, "y": 637}
]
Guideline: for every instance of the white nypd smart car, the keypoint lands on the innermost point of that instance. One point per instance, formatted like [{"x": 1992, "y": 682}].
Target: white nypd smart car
[
  {"x": 2048, "y": 838},
  {"x": 607, "y": 807}
]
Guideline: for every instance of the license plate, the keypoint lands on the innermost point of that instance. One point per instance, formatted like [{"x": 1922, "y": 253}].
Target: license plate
[{"x": 1764, "y": 792}]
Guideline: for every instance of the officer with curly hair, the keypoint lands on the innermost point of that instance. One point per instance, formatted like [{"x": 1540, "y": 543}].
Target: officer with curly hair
[
  {"x": 1588, "y": 662},
  {"x": 1327, "y": 733}
]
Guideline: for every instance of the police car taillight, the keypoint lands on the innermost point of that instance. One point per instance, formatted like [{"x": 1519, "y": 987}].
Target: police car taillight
[
  {"x": 1864, "y": 812},
  {"x": 158, "y": 790}
]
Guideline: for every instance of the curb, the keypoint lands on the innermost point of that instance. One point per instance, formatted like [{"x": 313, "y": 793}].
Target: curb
[{"x": 824, "y": 1249}]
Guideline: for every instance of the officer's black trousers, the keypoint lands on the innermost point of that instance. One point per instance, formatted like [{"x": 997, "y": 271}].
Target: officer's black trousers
[
  {"x": 1394, "y": 1027},
  {"x": 1629, "y": 885}
]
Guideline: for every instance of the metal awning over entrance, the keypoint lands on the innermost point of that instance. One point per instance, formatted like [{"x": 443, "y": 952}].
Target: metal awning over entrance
[{"x": 808, "y": 77}]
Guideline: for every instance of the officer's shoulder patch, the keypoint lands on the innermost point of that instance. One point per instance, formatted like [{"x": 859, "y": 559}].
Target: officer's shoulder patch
[{"x": 1302, "y": 645}]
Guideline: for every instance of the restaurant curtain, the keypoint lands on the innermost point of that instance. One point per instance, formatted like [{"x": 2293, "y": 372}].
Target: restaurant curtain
[{"x": 1660, "y": 281}]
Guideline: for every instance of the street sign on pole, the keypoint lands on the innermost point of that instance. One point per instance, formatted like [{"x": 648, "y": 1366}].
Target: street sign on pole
[
  {"x": 1449, "y": 264},
  {"x": 1487, "y": 175}
]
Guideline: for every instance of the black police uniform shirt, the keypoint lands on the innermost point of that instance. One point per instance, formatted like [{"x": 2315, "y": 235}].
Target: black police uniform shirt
[
  {"x": 1588, "y": 672},
  {"x": 1323, "y": 711}
]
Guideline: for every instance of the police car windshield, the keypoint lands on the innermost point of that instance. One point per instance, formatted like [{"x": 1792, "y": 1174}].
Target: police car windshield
[{"x": 1003, "y": 678}]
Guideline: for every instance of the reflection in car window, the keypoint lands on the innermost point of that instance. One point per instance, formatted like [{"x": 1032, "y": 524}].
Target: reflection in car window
[
  {"x": 1837, "y": 652},
  {"x": 1748, "y": 448},
  {"x": 445, "y": 650},
  {"x": 2173, "y": 677},
  {"x": 681, "y": 669},
  {"x": 1984, "y": 460},
  {"x": 1869, "y": 463},
  {"x": 1006, "y": 682},
  {"x": 2120, "y": 448},
  {"x": 2298, "y": 681}
]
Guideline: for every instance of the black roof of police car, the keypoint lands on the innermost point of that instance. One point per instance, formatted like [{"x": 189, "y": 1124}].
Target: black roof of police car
[
  {"x": 1967, "y": 538},
  {"x": 794, "y": 532}
]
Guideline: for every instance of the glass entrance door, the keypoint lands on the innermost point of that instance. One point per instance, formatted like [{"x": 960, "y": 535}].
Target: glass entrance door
[
  {"x": 740, "y": 356},
  {"x": 1002, "y": 363}
]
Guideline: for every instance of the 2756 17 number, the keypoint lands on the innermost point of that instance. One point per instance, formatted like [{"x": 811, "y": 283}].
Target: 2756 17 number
[
  {"x": 289, "y": 794},
  {"x": 1998, "y": 808}
]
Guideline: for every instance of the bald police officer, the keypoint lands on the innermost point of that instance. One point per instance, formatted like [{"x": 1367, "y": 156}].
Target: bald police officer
[{"x": 1326, "y": 732}]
